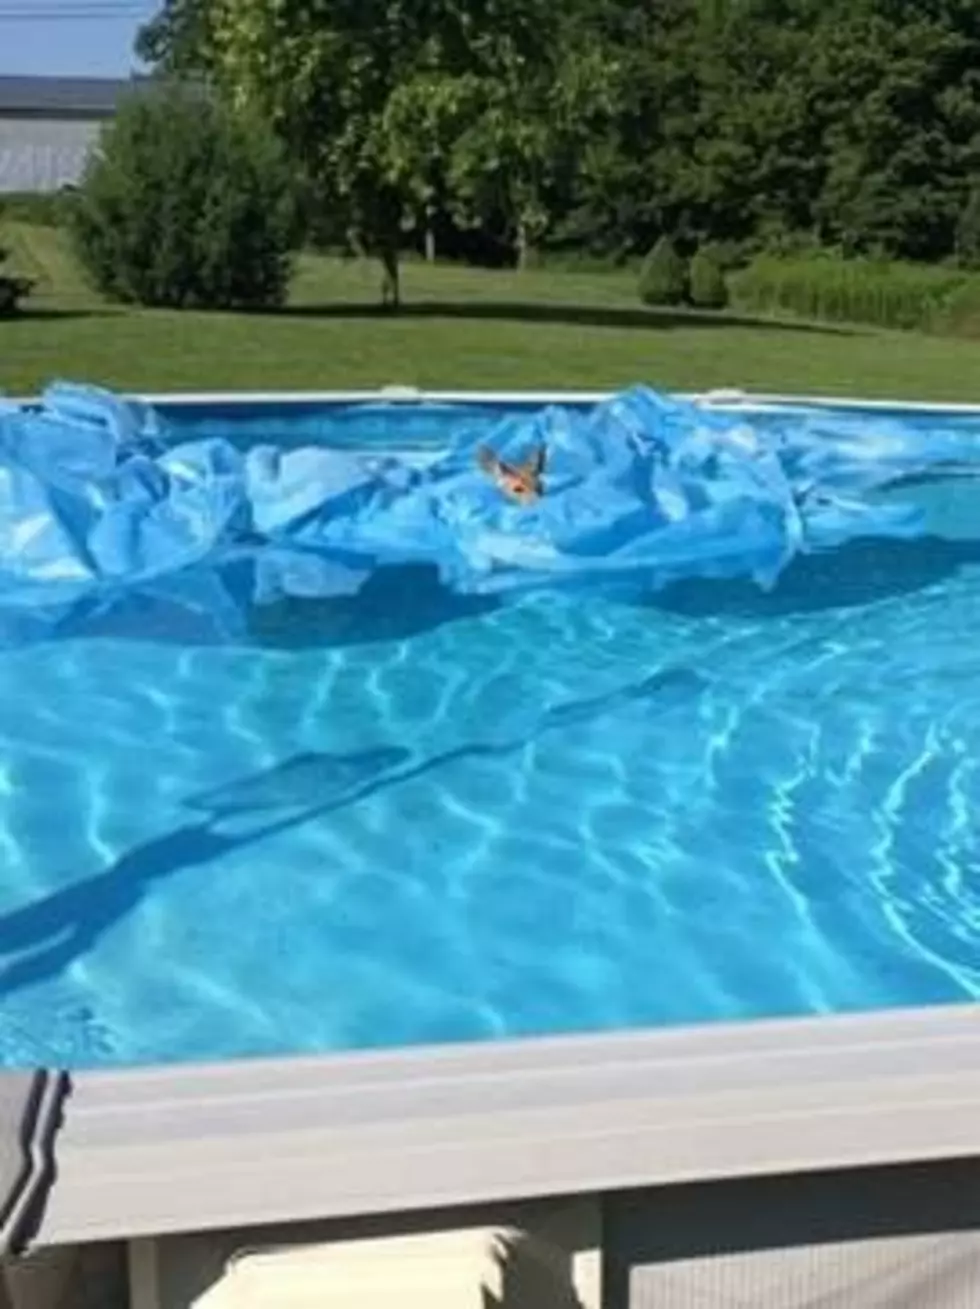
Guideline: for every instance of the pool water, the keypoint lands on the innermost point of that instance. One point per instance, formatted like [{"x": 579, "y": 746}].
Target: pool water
[{"x": 405, "y": 817}]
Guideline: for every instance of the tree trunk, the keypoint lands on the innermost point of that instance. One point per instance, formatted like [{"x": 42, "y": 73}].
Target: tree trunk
[
  {"x": 522, "y": 246},
  {"x": 430, "y": 242},
  {"x": 355, "y": 240},
  {"x": 390, "y": 278}
]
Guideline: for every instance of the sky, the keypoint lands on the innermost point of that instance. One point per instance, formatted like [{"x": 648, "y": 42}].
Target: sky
[{"x": 75, "y": 38}]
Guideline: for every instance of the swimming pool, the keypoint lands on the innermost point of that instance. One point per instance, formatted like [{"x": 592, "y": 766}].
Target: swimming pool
[{"x": 453, "y": 818}]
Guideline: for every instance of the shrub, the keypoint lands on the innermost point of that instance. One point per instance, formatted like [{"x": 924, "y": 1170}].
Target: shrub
[
  {"x": 664, "y": 275},
  {"x": 187, "y": 204},
  {"x": 708, "y": 287},
  {"x": 879, "y": 293}
]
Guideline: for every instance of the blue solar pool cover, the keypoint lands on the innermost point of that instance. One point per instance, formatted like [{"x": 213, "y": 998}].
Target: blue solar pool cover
[{"x": 98, "y": 504}]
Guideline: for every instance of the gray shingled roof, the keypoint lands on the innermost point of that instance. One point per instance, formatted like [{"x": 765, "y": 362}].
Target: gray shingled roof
[{"x": 95, "y": 96}]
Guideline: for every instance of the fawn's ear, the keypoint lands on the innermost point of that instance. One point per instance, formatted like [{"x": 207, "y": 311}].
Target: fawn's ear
[
  {"x": 486, "y": 459},
  {"x": 536, "y": 462}
]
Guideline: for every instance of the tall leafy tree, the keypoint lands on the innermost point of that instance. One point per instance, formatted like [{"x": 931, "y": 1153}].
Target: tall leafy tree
[
  {"x": 852, "y": 122},
  {"x": 321, "y": 72},
  {"x": 540, "y": 92},
  {"x": 177, "y": 40},
  {"x": 620, "y": 193},
  {"x": 902, "y": 97},
  {"x": 493, "y": 121},
  {"x": 422, "y": 119}
]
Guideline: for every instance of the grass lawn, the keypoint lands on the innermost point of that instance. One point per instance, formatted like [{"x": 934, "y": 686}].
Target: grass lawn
[{"x": 460, "y": 327}]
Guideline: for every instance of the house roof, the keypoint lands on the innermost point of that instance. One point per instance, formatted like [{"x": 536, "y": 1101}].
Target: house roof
[{"x": 95, "y": 96}]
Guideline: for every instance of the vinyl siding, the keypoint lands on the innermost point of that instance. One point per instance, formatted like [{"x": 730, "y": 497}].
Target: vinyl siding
[{"x": 44, "y": 154}]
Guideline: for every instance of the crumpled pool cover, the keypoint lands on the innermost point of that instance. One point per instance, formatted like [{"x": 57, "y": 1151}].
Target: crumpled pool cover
[{"x": 96, "y": 502}]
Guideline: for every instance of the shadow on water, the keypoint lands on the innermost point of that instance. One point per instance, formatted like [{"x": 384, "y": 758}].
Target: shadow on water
[
  {"x": 392, "y": 605},
  {"x": 208, "y": 609},
  {"x": 853, "y": 575},
  {"x": 571, "y": 315},
  {"x": 398, "y": 603},
  {"x": 41, "y": 939}
]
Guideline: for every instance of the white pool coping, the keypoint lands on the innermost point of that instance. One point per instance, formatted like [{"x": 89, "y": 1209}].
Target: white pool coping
[
  {"x": 184, "y": 1148},
  {"x": 719, "y": 397}
]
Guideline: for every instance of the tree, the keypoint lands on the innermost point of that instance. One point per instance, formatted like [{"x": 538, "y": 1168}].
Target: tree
[
  {"x": 177, "y": 41},
  {"x": 322, "y": 75},
  {"x": 398, "y": 109},
  {"x": 420, "y": 123},
  {"x": 186, "y": 204},
  {"x": 539, "y": 86},
  {"x": 903, "y": 126},
  {"x": 855, "y": 123},
  {"x": 617, "y": 194},
  {"x": 740, "y": 152}
]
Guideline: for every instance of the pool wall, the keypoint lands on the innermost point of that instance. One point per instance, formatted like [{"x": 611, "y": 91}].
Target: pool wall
[
  {"x": 852, "y": 1141},
  {"x": 821, "y": 1161}
]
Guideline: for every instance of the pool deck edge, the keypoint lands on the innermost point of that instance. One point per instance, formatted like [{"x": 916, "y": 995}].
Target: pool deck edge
[{"x": 147, "y": 1152}]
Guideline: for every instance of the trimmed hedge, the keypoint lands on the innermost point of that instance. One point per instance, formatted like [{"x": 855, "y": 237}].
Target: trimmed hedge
[
  {"x": 709, "y": 289},
  {"x": 664, "y": 275}
]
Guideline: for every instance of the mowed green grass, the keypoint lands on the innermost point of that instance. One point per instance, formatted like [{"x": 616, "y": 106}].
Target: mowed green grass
[{"x": 460, "y": 328}]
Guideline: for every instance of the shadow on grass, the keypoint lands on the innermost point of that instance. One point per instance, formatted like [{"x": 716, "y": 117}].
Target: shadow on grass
[
  {"x": 656, "y": 320},
  {"x": 43, "y": 313}
]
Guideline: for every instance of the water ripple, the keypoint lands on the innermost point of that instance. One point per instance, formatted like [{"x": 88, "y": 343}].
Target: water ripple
[{"x": 557, "y": 815}]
